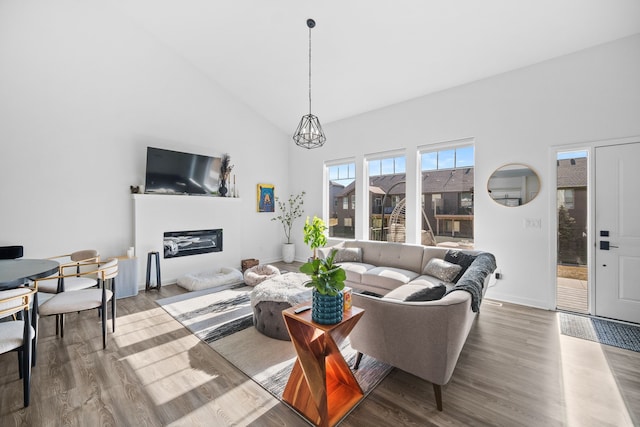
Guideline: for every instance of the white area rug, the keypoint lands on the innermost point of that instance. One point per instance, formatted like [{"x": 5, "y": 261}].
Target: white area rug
[{"x": 224, "y": 320}]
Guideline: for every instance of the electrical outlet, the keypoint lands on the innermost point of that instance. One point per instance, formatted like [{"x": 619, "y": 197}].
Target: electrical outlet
[{"x": 498, "y": 275}]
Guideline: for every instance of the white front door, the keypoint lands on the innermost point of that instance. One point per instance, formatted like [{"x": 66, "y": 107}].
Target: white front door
[{"x": 617, "y": 222}]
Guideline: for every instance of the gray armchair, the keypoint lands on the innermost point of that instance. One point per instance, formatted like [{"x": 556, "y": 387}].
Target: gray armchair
[{"x": 422, "y": 338}]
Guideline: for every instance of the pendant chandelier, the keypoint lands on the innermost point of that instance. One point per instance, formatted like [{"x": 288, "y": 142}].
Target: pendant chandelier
[{"x": 309, "y": 133}]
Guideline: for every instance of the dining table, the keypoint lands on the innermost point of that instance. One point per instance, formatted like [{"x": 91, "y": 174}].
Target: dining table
[{"x": 16, "y": 272}]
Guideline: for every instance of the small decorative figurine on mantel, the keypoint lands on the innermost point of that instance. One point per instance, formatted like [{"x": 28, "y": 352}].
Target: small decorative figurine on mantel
[{"x": 225, "y": 170}]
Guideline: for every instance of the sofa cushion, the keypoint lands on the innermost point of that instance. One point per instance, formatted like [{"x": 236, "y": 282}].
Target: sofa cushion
[
  {"x": 355, "y": 270},
  {"x": 425, "y": 280},
  {"x": 397, "y": 255},
  {"x": 387, "y": 277},
  {"x": 415, "y": 292},
  {"x": 348, "y": 255},
  {"x": 460, "y": 258},
  {"x": 442, "y": 269}
]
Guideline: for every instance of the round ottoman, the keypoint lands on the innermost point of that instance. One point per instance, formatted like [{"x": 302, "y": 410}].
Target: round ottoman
[
  {"x": 270, "y": 297},
  {"x": 260, "y": 273},
  {"x": 210, "y": 278}
]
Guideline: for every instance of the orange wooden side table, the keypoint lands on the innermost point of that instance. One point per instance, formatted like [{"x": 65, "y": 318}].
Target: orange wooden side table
[{"x": 321, "y": 385}]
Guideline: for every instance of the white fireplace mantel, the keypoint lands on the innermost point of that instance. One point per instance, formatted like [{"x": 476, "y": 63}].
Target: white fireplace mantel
[{"x": 154, "y": 214}]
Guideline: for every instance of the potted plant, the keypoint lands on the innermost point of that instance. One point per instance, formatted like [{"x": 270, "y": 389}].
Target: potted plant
[
  {"x": 327, "y": 281},
  {"x": 314, "y": 234},
  {"x": 289, "y": 211}
]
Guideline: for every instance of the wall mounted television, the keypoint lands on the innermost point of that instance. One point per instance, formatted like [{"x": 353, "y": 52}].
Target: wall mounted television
[{"x": 174, "y": 172}]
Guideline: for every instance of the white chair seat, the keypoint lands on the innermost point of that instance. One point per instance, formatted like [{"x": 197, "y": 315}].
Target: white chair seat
[
  {"x": 70, "y": 284},
  {"x": 68, "y": 302},
  {"x": 12, "y": 334}
]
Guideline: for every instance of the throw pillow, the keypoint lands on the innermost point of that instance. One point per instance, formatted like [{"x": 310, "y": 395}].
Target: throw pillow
[
  {"x": 441, "y": 269},
  {"x": 324, "y": 252},
  {"x": 348, "y": 255},
  {"x": 461, "y": 259},
  {"x": 429, "y": 293}
]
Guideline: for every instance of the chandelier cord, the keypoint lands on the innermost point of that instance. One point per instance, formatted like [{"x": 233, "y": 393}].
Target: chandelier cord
[{"x": 309, "y": 70}]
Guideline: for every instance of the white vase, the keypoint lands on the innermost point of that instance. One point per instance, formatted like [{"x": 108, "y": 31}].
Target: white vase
[{"x": 288, "y": 252}]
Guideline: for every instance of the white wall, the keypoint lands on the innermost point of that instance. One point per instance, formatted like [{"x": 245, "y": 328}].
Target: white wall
[
  {"x": 82, "y": 93},
  {"x": 515, "y": 118}
]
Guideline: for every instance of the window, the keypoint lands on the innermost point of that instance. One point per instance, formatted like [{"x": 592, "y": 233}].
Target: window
[
  {"x": 447, "y": 159},
  {"x": 341, "y": 185},
  {"x": 447, "y": 194},
  {"x": 387, "y": 166},
  {"x": 566, "y": 198},
  {"x": 466, "y": 200},
  {"x": 387, "y": 177},
  {"x": 436, "y": 202}
]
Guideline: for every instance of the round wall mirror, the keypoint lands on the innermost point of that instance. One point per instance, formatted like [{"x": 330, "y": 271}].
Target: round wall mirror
[{"x": 513, "y": 185}]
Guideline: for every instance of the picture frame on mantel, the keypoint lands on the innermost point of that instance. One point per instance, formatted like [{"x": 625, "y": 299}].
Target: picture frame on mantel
[{"x": 266, "y": 202}]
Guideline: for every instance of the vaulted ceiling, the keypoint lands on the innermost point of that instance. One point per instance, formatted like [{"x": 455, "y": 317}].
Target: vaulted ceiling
[{"x": 368, "y": 54}]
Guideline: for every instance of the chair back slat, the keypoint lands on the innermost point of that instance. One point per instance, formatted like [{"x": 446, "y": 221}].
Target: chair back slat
[
  {"x": 85, "y": 255},
  {"x": 15, "y": 300}
]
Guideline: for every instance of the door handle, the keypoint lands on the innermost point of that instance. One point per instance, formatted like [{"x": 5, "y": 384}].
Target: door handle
[{"x": 604, "y": 245}]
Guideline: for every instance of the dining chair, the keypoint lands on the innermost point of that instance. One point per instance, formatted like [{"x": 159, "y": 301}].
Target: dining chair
[
  {"x": 77, "y": 261},
  {"x": 86, "y": 299},
  {"x": 17, "y": 335},
  {"x": 15, "y": 252}
]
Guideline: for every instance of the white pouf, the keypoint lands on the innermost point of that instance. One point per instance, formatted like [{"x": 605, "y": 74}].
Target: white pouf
[
  {"x": 260, "y": 273},
  {"x": 210, "y": 279}
]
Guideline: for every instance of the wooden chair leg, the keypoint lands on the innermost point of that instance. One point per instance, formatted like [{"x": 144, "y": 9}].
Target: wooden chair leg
[{"x": 437, "y": 389}]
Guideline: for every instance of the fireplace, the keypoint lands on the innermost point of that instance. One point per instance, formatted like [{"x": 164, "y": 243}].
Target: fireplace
[{"x": 185, "y": 243}]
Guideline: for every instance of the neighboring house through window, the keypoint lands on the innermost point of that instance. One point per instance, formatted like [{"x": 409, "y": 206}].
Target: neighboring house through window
[{"x": 341, "y": 185}]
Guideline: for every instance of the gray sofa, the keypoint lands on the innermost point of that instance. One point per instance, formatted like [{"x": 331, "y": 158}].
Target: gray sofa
[{"x": 425, "y": 336}]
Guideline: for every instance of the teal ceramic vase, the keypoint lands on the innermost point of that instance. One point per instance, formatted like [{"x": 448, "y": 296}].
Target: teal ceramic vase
[{"x": 326, "y": 309}]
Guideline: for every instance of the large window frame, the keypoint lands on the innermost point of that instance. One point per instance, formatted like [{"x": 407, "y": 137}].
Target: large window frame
[
  {"x": 446, "y": 188},
  {"x": 453, "y": 157},
  {"x": 340, "y": 190},
  {"x": 385, "y": 171}
]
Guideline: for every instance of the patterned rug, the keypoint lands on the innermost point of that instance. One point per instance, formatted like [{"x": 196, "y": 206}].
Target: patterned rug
[
  {"x": 212, "y": 314},
  {"x": 603, "y": 331},
  {"x": 224, "y": 320}
]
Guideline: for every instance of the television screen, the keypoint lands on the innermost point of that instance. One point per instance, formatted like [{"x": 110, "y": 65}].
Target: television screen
[{"x": 173, "y": 172}]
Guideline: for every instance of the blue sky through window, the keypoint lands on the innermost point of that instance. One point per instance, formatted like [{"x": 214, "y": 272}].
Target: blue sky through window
[
  {"x": 387, "y": 166},
  {"x": 343, "y": 174},
  {"x": 572, "y": 155},
  {"x": 461, "y": 157}
]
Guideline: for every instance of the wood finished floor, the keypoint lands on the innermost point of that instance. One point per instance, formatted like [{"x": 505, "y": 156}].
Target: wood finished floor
[{"x": 515, "y": 370}]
